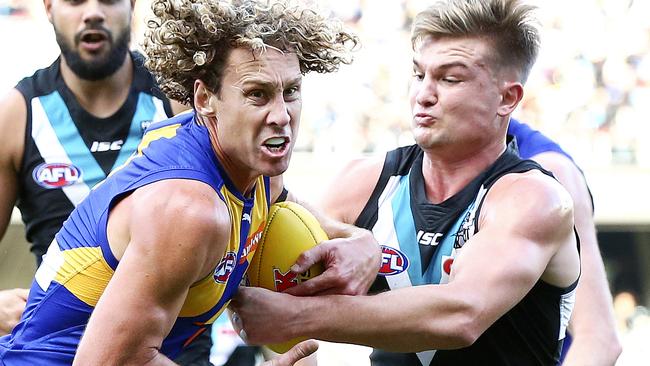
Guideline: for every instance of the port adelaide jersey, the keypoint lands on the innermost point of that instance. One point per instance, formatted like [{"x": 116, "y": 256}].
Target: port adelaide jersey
[
  {"x": 419, "y": 243},
  {"x": 68, "y": 151}
]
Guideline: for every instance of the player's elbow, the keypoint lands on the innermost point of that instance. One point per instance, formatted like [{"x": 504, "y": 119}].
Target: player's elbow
[
  {"x": 465, "y": 326},
  {"x": 466, "y": 332}
]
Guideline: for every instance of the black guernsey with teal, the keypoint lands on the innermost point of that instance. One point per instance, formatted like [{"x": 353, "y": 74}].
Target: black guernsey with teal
[
  {"x": 419, "y": 243},
  {"x": 68, "y": 151}
]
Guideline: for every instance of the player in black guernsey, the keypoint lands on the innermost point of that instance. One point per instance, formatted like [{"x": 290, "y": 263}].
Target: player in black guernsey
[
  {"x": 420, "y": 241},
  {"x": 68, "y": 150},
  {"x": 479, "y": 249}
]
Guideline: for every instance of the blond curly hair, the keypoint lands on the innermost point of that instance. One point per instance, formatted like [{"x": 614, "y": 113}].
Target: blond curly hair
[{"x": 191, "y": 39}]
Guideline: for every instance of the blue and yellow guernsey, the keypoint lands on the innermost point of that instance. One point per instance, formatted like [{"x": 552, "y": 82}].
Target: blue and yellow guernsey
[{"x": 79, "y": 263}]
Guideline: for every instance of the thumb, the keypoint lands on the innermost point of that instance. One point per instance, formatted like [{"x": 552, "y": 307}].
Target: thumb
[{"x": 295, "y": 354}]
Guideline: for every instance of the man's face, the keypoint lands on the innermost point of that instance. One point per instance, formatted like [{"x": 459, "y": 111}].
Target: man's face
[
  {"x": 93, "y": 34},
  {"x": 258, "y": 111},
  {"x": 454, "y": 94}
]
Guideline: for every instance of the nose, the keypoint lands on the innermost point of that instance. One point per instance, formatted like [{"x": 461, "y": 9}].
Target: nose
[
  {"x": 93, "y": 12},
  {"x": 426, "y": 93},
  {"x": 279, "y": 113}
]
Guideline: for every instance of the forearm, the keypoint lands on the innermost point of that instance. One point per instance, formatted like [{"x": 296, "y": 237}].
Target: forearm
[
  {"x": 134, "y": 342},
  {"x": 405, "y": 320}
]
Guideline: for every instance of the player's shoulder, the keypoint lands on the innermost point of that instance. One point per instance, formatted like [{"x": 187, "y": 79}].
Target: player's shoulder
[
  {"x": 533, "y": 185},
  {"x": 188, "y": 202},
  {"x": 532, "y": 196}
]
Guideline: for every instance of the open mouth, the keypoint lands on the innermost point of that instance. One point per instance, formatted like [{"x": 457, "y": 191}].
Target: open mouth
[
  {"x": 276, "y": 144},
  {"x": 92, "y": 39}
]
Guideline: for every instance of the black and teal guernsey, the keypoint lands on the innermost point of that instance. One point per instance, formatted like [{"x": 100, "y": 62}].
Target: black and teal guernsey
[
  {"x": 419, "y": 243},
  {"x": 68, "y": 151}
]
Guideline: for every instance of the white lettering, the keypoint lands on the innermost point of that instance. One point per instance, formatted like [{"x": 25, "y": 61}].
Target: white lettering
[
  {"x": 101, "y": 146},
  {"x": 394, "y": 265},
  {"x": 425, "y": 238},
  {"x": 392, "y": 261}
]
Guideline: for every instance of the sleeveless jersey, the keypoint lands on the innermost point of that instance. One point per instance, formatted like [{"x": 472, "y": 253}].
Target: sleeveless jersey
[
  {"x": 79, "y": 262},
  {"x": 419, "y": 243},
  {"x": 68, "y": 151}
]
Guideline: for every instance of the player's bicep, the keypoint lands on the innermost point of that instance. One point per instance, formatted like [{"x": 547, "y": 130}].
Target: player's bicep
[
  {"x": 169, "y": 243},
  {"x": 516, "y": 241}
]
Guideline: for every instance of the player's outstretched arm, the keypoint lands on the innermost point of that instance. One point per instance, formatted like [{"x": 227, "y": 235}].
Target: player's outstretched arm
[
  {"x": 592, "y": 325},
  {"x": 488, "y": 278},
  {"x": 176, "y": 230}
]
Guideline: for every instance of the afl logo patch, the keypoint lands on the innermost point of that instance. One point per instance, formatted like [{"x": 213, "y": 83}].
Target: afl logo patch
[
  {"x": 225, "y": 268},
  {"x": 392, "y": 261},
  {"x": 56, "y": 175}
]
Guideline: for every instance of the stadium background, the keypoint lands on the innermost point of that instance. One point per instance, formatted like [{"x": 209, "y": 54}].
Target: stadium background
[{"x": 590, "y": 91}]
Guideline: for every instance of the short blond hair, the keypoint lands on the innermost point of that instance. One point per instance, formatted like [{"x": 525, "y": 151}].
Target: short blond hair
[
  {"x": 191, "y": 39},
  {"x": 509, "y": 24}
]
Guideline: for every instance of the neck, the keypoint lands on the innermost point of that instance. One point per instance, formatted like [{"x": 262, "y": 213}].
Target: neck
[
  {"x": 243, "y": 182},
  {"x": 445, "y": 176},
  {"x": 100, "y": 98}
]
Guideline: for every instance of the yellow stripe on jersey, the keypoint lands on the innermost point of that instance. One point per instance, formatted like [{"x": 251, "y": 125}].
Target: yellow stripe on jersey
[
  {"x": 149, "y": 137},
  {"x": 153, "y": 135},
  {"x": 84, "y": 273}
]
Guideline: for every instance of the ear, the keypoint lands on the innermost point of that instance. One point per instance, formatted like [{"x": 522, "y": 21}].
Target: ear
[
  {"x": 511, "y": 95},
  {"x": 48, "y": 9},
  {"x": 202, "y": 98}
]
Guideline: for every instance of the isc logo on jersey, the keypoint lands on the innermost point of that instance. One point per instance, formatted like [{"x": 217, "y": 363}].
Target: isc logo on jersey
[
  {"x": 56, "y": 175},
  {"x": 225, "y": 267},
  {"x": 392, "y": 261}
]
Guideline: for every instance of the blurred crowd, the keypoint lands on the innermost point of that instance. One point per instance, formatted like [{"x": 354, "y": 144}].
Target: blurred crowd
[{"x": 590, "y": 88}]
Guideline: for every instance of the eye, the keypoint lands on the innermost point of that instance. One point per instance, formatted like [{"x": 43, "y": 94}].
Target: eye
[
  {"x": 451, "y": 80},
  {"x": 256, "y": 94},
  {"x": 417, "y": 75},
  {"x": 292, "y": 93}
]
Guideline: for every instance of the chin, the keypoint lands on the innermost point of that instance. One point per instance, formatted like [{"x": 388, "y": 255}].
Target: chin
[{"x": 273, "y": 170}]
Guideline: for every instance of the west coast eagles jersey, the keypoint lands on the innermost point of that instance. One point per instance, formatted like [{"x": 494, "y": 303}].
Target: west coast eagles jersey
[{"x": 79, "y": 263}]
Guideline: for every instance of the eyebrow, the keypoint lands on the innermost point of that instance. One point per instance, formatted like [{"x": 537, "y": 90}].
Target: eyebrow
[
  {"x": 445, "y": 66},
  {"x": 270, "y": 84}
]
